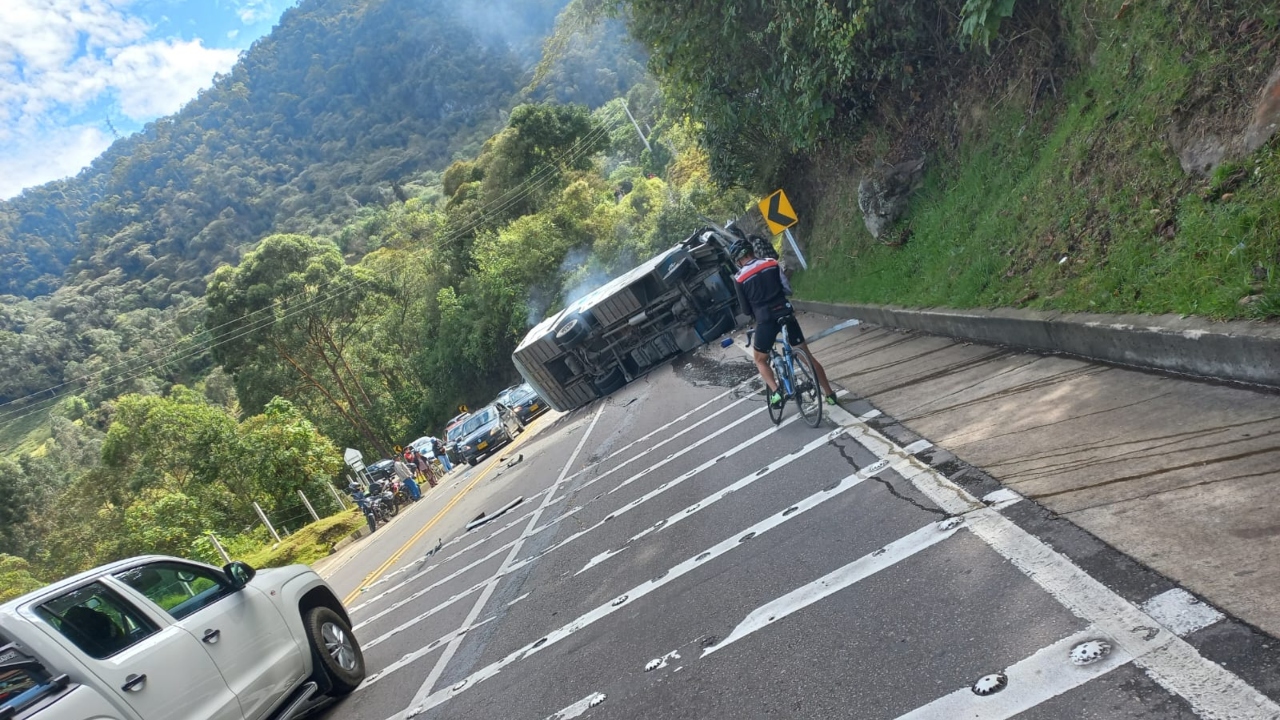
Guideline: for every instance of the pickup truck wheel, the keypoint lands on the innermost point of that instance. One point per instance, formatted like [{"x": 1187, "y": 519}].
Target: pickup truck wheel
[{"x": 336, "y": 650}]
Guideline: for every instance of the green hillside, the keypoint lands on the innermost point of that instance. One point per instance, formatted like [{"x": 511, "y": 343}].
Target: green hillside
[{"x": 1070, "y": 187}]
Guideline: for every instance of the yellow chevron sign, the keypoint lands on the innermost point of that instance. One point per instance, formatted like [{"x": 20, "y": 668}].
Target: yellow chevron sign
[{"x": 777, "y": 212}]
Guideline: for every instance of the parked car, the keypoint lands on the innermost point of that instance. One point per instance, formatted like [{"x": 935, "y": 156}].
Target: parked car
[
  {"x": 452, "y": 434},
  {"x": 672, "y": 303},
  {"x": 423, "y": 446},
  {"x": 154, "y": 638},
  {"x": 485, "y": 431},
  {"x": 383, "y": 471},
  {"x": 524, "y": 401}
]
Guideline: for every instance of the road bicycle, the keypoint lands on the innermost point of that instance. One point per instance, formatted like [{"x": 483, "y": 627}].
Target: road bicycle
[{"x": 796, "y": 379}]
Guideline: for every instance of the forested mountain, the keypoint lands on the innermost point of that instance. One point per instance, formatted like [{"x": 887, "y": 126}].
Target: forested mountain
[
  {"x": 334, "y": 246},
  {"x": 347, "y": 104}
]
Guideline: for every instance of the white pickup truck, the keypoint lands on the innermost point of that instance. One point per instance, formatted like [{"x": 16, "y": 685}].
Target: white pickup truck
[{"x": 160, "y": 638}]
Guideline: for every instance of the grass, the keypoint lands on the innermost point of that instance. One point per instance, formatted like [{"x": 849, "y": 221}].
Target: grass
[
  {"x": 1083, "y": 206},
  {"x": 308, "y": 544}
]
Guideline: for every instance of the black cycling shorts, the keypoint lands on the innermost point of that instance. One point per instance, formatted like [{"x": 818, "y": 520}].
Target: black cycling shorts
[{"x": 767, "y": 333}]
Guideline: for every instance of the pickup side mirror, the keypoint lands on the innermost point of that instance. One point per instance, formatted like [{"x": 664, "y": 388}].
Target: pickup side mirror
[{"x": 239, "y": 573}]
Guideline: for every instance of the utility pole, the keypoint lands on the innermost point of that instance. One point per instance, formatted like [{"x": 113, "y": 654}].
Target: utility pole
[{"x": 636, "y": 125}]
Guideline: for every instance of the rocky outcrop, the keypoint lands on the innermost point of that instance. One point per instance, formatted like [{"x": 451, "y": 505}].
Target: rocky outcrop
[
  {"x": 1266, "y": 115},
  {"x": 1200, "y": 153},
  {"x": 883, "y": 194}
]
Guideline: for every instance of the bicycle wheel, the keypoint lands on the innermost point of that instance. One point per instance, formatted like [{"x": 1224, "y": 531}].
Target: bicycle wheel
[
  {"x": 808, "y": 395},
  {"x": 775, "y": 413}
]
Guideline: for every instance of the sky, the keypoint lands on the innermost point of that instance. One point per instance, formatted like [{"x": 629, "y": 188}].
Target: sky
[{"x": 70, "y": 70}]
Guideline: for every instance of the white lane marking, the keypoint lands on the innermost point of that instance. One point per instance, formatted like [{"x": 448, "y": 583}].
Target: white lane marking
[
  {"x": 917, "y": 446},
  {"x": 599, "y": 559},
  {"x": 513, "y": 602},
  {"x": 575, "y": 536},
  {"x": 1002, "y": 498},
  {"x": 680, "y": 419},
  {"x": 416, "y": 565},
  {"x": 389, "y": 576},
  {"x": 674, "y": 436},
  {"x": 1212, "y": 691},
  {"x": 837, "y": 580},
  {"x": 1181, "y": 612},
  {"x": 1044, "y": 675},
  {"x": 750, "y": 442},
  {"x": 738, "y": 539},
  {"x": 423, "y": 616},
  {"x": 417, "y": 654},
  {"x": 578, "y": 708},
  {"x": 419, "y": 593},
  {"x": 423, "y": 573},
  {"x": 736, "y": 449},
  {"x": 664, "y": 487},
  {"x": 481, "y": 601},
  {"x": 709, "y": 500},
  {"x": 668, "y": 459}
]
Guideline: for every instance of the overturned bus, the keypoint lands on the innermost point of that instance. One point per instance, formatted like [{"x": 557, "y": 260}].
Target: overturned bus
[{"x": 670, "y": 304}]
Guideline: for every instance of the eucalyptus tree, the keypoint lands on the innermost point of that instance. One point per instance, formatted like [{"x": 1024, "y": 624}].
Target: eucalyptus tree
[{"x": 294, "y": 320}]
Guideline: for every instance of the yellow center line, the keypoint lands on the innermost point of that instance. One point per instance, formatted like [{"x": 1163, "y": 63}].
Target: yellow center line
[{"x": 431, "y": 523}]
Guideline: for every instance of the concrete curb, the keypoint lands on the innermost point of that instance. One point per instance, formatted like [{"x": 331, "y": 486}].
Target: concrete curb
[
  {"x": 354, "y": 536},
  {"x": 1236, "y": 351}
]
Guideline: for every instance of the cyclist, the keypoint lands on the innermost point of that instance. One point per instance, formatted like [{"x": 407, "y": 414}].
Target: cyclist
[{"x": 762, "y": 293}]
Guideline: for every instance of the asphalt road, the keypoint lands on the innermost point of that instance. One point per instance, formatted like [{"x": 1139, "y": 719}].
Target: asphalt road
[{"x": 675, "y": 555}]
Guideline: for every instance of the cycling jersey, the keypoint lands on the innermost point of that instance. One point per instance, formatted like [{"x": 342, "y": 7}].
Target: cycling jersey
[{"x": 763, "y": 290}]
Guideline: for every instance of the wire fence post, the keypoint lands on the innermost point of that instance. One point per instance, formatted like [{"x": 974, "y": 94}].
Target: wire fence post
[
  {"x": 263, "y": 517},
  {"x": 338, "y": 498},
  {"x": 307, "y": 502},
  {"x": 218, "y": 546}
]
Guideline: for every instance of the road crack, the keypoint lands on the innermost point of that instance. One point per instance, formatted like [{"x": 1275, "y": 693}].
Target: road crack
[{"x": 844, "y": 453}]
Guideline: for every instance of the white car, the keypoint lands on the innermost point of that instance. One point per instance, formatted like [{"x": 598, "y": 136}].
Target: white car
[{"x": 161, "y": 638}]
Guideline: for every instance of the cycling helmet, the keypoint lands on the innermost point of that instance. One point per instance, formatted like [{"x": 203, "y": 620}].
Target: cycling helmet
[{"x": 739, "y": 249}]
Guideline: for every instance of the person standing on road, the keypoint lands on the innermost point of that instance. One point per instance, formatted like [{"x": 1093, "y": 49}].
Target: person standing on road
[
  {"x": 437, "y": 448},
  {"x": 419, "y": 461},
  {"x": 406, "y": 478},
  {"x": 762, "y": 293}
]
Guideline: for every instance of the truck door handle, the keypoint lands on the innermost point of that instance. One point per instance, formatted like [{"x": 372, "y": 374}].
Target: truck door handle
[
  {"x": 134, "y": 683},
  {"x": 211, "y": 636}
]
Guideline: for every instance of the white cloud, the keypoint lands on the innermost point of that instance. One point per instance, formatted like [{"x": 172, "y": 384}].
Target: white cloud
[
  {"x": 60, "y": 58},
  {"x": 233, "y": 33},
  {"x": 55, "y": 153},
  {"x": 252, "y": 12},
  {"x": 158, "y": 78}
]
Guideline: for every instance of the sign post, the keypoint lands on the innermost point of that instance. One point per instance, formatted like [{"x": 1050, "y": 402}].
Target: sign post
[{"x": 780, "y": 218}]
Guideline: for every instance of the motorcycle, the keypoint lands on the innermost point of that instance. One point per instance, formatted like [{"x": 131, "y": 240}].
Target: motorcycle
[
  {"x": 366, "y": 507},
  {"x": 400, "y": 492},
  {"x": 383, "y": 499}
]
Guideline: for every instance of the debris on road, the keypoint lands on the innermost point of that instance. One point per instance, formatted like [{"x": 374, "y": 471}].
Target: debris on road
[{"x": 483, "y": 519}]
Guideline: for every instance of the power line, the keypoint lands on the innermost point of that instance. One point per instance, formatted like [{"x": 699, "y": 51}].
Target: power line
[{"x": 488, "y": 213}]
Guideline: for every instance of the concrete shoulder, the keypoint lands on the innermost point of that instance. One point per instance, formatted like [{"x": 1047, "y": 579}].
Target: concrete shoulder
[{"x": 1236, "y": 351}]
